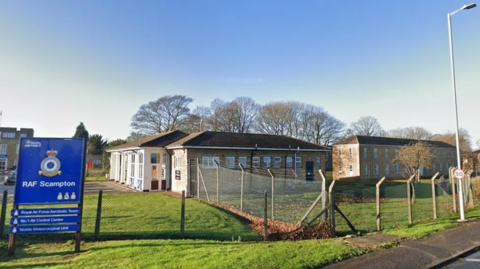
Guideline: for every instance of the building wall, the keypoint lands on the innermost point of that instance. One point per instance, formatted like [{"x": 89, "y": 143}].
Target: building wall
[
  {"x": 10, "y": 138},
  {"x": 187, "y": 156},
  {"x": 372, "y": 161}
]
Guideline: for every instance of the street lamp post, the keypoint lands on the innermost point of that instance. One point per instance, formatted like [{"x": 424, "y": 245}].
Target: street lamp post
[{"x": 452, "y": 65}]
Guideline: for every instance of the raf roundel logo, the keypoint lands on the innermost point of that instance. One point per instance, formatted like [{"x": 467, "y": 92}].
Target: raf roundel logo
[{"x": 50, "y": 166}]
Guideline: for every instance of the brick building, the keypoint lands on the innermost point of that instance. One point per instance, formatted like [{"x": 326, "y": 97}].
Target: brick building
[
  {"x": 369, "y": 157},
  {"x": 285, "y": 156},
  {"x": 9, "y": 139}
]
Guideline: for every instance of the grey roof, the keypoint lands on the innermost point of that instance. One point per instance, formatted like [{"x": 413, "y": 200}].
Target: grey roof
[
  {"x": 157, "y": 140},
  {"x": 244, "y": 140},
  {"x": 392, "y": 141}
]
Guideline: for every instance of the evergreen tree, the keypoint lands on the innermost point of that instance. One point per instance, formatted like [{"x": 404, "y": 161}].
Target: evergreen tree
[{"x": 81, "y": 131}]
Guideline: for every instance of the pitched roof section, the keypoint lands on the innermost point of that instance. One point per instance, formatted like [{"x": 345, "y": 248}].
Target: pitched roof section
[
  {"x": 157, "y": 140},
  {"x": 375, "y": 140},
  {"x": 242, "y": 140}
]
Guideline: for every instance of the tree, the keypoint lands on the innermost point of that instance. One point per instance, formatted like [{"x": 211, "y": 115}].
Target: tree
[
  {"x": 478, "y": 144},
  {"x": 417, "y": 133},
  {"x": 96, "y": 144},
  {"x": 450, "y": 138},
  {"x": 237, "y": 116},
  {"x": 167, "y": 113},
  {"x": 81, "y": 131},
  {"x": 135, "y": 136},
  {"x": 367, "y": 126},
  {"x": 414, "y": 156},
  {"x": 111, "y": 144}
]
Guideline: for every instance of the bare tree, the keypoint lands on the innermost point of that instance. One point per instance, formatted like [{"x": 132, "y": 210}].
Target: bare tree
[
  {"x": 165, "y": 114},
  {"x": 478, "y": 144},
  {"x": 274, "y": 119},
  {"x": 417, "y": 132},
  {"x": 135, "y": 136},
  {"x": 247, "y": 112},
  {"x": 450, "y": 138},
  {"x": 237, "y": 116},
  {"x": 367, "y": 126},
  {"x": 413, "y": 157}
]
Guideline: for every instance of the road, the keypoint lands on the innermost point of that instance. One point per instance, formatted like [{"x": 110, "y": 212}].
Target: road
[{"x": 472, "y": 261}]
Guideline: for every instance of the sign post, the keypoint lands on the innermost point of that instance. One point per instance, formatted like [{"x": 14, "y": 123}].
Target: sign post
[
  {"x": 50, "y": 171},
  {"x": 459, "y": 174}
]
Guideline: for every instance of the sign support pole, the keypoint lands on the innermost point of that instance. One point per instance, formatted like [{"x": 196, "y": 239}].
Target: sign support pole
[
  {"x": 78, "y": 235},
  {"x": 11, "y": 239}
]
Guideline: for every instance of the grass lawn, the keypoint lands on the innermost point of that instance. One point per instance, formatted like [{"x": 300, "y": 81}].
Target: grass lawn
[
  {"x": 179, "y": 254},
  {"x": 157, "y": 215}
]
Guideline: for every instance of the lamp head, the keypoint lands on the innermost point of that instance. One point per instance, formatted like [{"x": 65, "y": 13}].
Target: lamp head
[{"x": 469, "y": 6}]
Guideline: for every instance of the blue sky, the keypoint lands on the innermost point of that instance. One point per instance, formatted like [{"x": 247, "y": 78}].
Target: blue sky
[{"x": 63, "y": 62}]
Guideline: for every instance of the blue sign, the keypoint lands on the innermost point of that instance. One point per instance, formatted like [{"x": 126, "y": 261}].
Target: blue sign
[
  {"x": 45, "y": 211},
  {"x": 44, "y": 220},
  {"x": 49, "y": 171},
  {"x": 3, "y": 156},
  {"x": 44, "y": 229}
]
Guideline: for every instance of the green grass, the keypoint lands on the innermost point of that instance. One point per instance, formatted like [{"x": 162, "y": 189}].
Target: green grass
[
  {"x": 179, "y": 254},
  {"x": 157, "y": 215}
]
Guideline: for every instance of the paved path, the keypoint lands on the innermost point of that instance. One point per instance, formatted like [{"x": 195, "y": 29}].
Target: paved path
[
  {"x": 106, "y": 186},
  {"x": 428, "y": 252}
]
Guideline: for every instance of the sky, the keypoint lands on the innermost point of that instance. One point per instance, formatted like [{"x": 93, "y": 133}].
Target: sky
[{"x": 97, "y": 62}]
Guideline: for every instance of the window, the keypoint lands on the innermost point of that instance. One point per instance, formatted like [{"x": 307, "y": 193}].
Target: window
[
  {"x": 177, "y": 162},
  {"x": 351, "y": 168},
  {"x": 256, "y": 162},
  {"x": 243, "y": 161},
  {"x": 289, "y": 161},
  {"x": 23, "y": 135},
  {"x": 95, "y": 162},
  {"x": 267, "y": 162},
  {"x": 3, "y": 149},
  {"x": 387, "y": 169},
  {"x": 386, "y": 154},
  {"x": 140, "y": 165},
  {"x": 155, "y": 158},
  {"x": 350, "y": 151},
  {"x": 396, "y": 153},
  {"x": 208, "y": 162},
  {"x": 340, "y": 168},
  {"x": 164, "y": 159},
  {"x": 277, "y": 162},
  {"x": 3, "y": 164},
  {"x": 397, "y": 169},
  {"x": 375, "y": 153},
  {"x": 132, "y": 165},
  {"x": 365, "y": 153},
  {"x": 8, "y": 135},
  {"x": 327, "y": 155},
  {"x": 446, "y": 166},
  {"x": 319, "y": 162},
  {"x": 440, "y": 167},
  {"x": 434, "y": 167},
  {"x": 376, "y": 170},
  {"x": 230, "y": 162},
  {"x": 298, "y": 162},
  {"x": 339, "y": 153},
  {"x": 365, "y": 169}
]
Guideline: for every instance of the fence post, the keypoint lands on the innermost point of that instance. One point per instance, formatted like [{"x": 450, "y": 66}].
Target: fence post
[
  {"x": 379, "y": 219},
  {"x": 265, "y": 218},
  {"x": 452, "y": 183},
  {"x": 469, "y": 186},
  {"x": 434, "y": 197},
  {"x": 198, "y": 180},
  {"x": 332, "y": 209},
  {"x": 3, "y": 213},
  {"x": 324, "y": 194},
  {"x": 409, "y": 198},
  {"x": 99, "y": 214},
  {"x": 218, "y": 185},
  {"x": 241, "y": 187},
  {"x": 182, "y": 220},
  {"x": 273, "y": 194}
]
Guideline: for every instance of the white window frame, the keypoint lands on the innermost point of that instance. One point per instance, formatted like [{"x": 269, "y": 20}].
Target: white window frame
[
  {"x": 140, "y": 165},
  {"x": 3, "y": 148},
  {"x": 230, "y": 162},
  {"x": 4, "y": 162},
  {"x": 289, "y": 162},
  {"x": 267, "y": 162},
  {"x": 256, "y": 162},
  {"x": 298, "y": 162},
  {"x": 243, "y": 161},
  {"x": 8, "y": 135},
  {"x": 277, "y": 162},
  {"x": 208, "y": 162}
]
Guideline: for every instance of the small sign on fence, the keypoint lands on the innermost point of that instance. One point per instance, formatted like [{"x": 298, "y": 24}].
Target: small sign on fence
[{"x": 50, "y": 171}]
